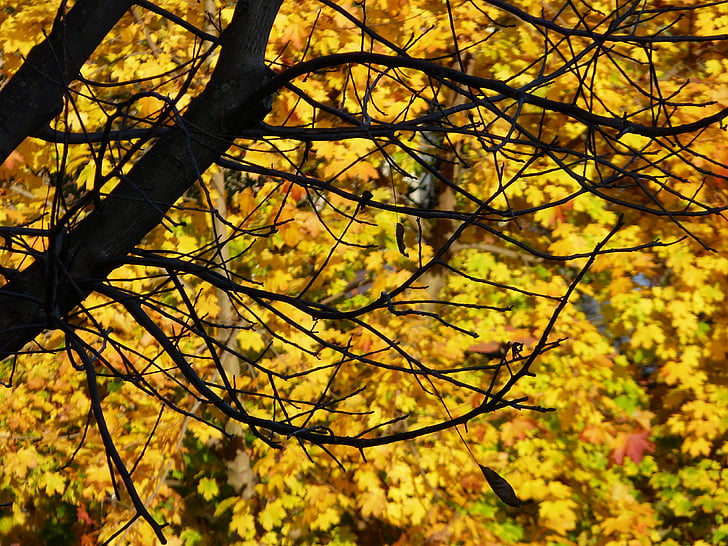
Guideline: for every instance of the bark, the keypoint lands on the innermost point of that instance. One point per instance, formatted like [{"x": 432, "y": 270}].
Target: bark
[
  {"x": 34, "y": 95},
  {"x": 60, "y": 280}
]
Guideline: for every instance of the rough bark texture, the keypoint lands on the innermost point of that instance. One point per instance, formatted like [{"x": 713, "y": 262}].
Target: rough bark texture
[{"x": 59, "y": 281}]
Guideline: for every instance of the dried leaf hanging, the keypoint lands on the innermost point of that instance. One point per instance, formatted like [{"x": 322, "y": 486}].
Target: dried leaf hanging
[
  {"x": 500, "y": 486},
  {"x": 399, "y": 232}
]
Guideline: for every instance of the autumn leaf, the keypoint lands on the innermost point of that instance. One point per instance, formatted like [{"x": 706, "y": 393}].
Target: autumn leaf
[
  {"x": 399, "y": 232},
  {"x": 83, "y": 515},
  {"x": 273, "y": 515},
  {"x": 208, "y": 488},
  {"x": 647, "y": 329},
  {"x": 500, "y": 486},
  {"x": 633, "y": 445},
  {"x": 54, "y": 483},
  {"x": 558, "y": 515}
]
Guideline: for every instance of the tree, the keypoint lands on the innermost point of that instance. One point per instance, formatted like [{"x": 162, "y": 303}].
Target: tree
[{"x": 414, "y": 185}]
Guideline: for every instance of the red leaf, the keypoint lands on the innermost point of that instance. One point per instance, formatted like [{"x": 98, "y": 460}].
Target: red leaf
[
  {"x": 634, "y": 446},
  {"x": 83, "y": 516}
]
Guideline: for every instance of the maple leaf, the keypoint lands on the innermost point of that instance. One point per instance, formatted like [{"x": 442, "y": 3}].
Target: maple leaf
[
  {"x": 373, "y": 503},
  {"x": 558, "y": 515},
  {"x": 658, "y": 323},
  {"x": 593, "y": 434},
  {"x": 632, "y": 445},
  {"x": 83, "y": 515},
  {"x": 208, "y": 488},
  {"x": 242, "y": 523},
  {"x": 54, "y": 483}
]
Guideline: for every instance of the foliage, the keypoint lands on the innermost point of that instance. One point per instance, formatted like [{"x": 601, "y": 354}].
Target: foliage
[{"x": 635, "y": 451}]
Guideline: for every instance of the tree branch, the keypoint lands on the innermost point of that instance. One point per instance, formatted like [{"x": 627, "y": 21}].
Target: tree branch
[
  {"x": 140, "y": 201},
  {"x": 34, "y": 95}
]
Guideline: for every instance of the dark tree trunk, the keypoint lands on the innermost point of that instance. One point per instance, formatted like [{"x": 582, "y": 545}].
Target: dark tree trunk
[
  {"x": 58, "y": 281},
  {"x": 34, "y": 95}
]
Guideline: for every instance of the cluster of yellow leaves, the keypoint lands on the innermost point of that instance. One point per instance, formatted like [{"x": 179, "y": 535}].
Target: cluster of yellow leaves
[
  {"x": 635, "y": 452},
  {"x": 52, "y": 454}
]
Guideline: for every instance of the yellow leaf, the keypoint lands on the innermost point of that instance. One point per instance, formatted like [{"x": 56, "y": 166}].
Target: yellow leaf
[
  {"x": 208, "y": 488},
  {"x": 696, "y": 447},
  {"x": 224, "y": 505},
  {"x": 25, "y": 458},
  {"x": 647, "y": 336},
  {"x": 372, "y": 503},
  {"x": 250, "y": 340},
  {"x": 54, "y": 483},
  {"x": 272, "y": 515},
  {"x": 242, "y": 522},
  {"x": 558, "y": 515},
  {"x": 326, "y": 519}
]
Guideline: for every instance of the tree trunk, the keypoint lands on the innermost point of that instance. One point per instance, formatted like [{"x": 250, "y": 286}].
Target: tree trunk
[
  {"x": 34, "y": 95},
  {"x": 59, "y": 280}
]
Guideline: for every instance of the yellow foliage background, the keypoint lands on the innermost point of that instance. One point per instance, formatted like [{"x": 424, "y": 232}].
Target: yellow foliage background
[{"x": 635, "y": 452}]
